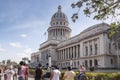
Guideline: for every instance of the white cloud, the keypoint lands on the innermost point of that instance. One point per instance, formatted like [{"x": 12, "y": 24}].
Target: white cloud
[
  {"x": 16, "y": 44},
  {"x": 2, "y": 49},
  {"x": 23, "y": 35},
  {"x": 25, "y": 53},
  {"x": 30, "y": 24},
  {"x": 28, "y": 51}
]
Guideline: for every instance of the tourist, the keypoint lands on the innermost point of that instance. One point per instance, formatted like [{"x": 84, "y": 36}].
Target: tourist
[
  {"x": 81, "y": 72},
  {"x": 27, "y": 71},
  {"x": 69, "y": 74},
  {"x": 1, "y": 72},
  {"x": 38, "y": 73},
  {"x": 15, "y": 72},
  {"x": 9, "y": 73},
  {"x": 55, "y": 74},
  {"x": 5, "y": 69},
  {"x": 21, "y": 71}
]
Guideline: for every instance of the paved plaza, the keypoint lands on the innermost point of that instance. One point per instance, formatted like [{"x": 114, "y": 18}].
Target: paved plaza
[{"x": 30, "y": 78}]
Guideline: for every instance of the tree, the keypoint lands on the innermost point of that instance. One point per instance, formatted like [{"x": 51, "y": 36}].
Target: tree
[
  {"x": 3, "y": 61},
  {"x": 8, "y": 61},
  {"x": 101, "y": 10}
]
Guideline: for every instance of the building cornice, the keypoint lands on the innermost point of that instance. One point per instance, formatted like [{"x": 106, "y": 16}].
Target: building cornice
[
  {"x": 90, "y": 32},
  {"x": 49, "y": 43}
]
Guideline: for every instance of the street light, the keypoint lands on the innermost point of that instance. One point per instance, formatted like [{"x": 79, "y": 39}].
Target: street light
[{"x": 49, "y": 60}]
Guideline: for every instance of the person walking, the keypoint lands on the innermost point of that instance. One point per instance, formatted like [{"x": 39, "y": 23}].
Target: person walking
[
  {"x": 81, "y": 72},
  {"x": 27, "y": 71},
  {"x": 69, "y": 74},
  {"x": 21, "y": 71},
  {"x": 1, "y": 72},
  {"x": 38, "y": 73},
  {"x": 15, "y": 70},
  {"x": 55, "y": 74},
  {"x": 9, "y": 73}
]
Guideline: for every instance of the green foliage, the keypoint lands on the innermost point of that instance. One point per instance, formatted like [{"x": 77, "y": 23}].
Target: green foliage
[
  {"x": 91, "y": 68},
  {"x": 101, "y": 9},
  {"x": 31, "y": 71},
  {"x": 113, "y": 31},
  {"x": 91, "y": 75},
  {"x": 114, "y": 75}
]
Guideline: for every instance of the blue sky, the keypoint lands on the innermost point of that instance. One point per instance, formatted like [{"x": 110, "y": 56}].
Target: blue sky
[{"x": 24, "y": 22}]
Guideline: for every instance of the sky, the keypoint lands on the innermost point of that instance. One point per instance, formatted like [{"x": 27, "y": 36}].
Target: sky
[{"x": 24, "y": 22}]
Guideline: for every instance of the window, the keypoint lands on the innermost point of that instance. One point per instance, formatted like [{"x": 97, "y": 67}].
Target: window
[
  {"x": 90, "y": 62},
  {"x": 109, "y": 48},
  {"x": 111, "y": 61},
  {"x": 78, "y": 63},
  {"x": 64, "y": 23},
  {"x": 96, "y": 48},
  {"x": 96, "y": 62},
  {"x": 60, "y": 23},
  {"x": 86, "y": 63},
  {"x": 90, "y": 49},
  {"x": 56, "y": 23},
  {"x": 53, "y": 23},
  {"x": 86, "y": 51}
]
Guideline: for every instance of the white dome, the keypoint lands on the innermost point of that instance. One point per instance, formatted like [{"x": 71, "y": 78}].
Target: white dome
[{"x": 59, "y": 18}]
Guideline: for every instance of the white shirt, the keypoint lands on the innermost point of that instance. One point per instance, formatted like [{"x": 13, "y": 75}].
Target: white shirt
[
  {"x": 9, "y": 74},
  {"x": 82, "y": 70},
  {"x": 56, "y": 74}
]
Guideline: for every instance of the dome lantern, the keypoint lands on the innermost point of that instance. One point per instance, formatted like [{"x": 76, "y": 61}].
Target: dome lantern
[{"x": 59, "y": 8}]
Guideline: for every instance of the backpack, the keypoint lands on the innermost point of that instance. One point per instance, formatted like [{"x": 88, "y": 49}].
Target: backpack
[{"x": 38, "y": 73}]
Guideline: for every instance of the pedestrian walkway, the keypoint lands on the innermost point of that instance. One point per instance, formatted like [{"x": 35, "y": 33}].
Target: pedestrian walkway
[{"x": 30, "y": 78}]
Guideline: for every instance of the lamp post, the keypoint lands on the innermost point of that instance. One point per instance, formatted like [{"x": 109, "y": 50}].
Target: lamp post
[{"x": 49, "y": 61}]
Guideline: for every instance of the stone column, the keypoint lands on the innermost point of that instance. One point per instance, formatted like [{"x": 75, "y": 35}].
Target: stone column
[
  {"x": 68, "y": 53},
  {"x": 77, "y": 51},
  {"x": 88, "y": 44},
  {"x": 93, "y": 47},
  {"x": 73, "y": 52},
  {"x": 65, "y": 53}
]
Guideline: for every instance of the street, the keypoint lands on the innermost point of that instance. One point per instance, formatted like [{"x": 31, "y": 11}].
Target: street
[{"x": 30, "y": 78}]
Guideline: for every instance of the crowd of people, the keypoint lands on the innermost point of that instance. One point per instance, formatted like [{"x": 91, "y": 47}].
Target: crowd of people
[
  {"x": 21, "y": 73},
  {"x": 14, "y": 72},
  {"x": 55, "y": 73}
]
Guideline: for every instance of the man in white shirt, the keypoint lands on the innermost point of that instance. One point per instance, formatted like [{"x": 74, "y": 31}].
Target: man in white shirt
[
  {"x": 55, "y": 74},
  {"x": 9, "y": 73}
]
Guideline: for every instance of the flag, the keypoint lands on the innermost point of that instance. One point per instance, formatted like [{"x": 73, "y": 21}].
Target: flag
[{"x": 45, "y": 33}]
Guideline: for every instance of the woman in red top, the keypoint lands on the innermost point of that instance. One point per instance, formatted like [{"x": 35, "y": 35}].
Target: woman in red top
[{"x": 26, "y": 72}]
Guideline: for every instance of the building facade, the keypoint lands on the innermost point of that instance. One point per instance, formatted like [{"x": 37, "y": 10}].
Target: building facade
[{"x": 91, "y": 47}]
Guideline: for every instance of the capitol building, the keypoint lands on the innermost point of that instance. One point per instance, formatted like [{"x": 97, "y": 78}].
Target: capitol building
[{"x": 91, "y": 47}]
